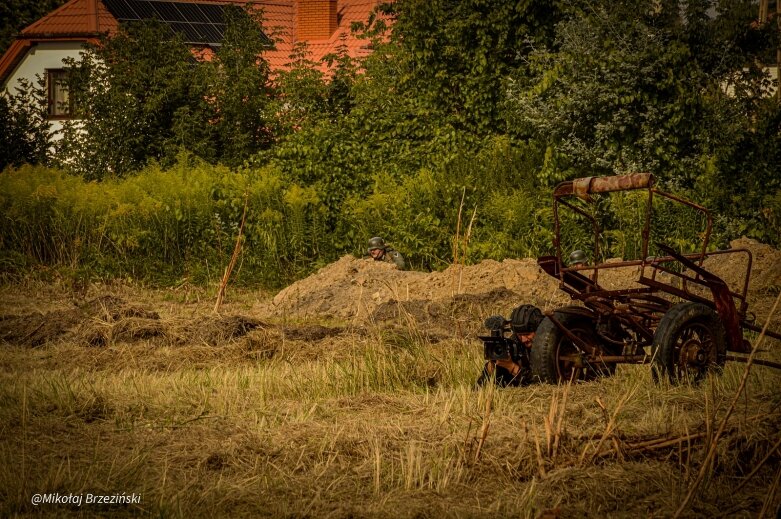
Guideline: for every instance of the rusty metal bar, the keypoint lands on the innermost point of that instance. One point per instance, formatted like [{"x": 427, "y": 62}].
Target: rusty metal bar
[
  {"x": 610, "y": 359},
  {"x": 582, "y": 187},
  {"x": 759, "y": 362},
  {"x": 594, "y": 227},
  {"x": 749, "y": 263},
  {"x": 722, "y": 299},
  {"x": 577, "y": 341},
  {"x": 701, "y": 282},
  {"x": 758, "y": 329},
  {"x": 617, "y": 293},
  {"x": 664, "y": 287}
]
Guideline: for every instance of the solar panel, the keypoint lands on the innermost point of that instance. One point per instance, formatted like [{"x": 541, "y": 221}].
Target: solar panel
[
  {"x": 215, "y": 13},
  {"x": 192, "y": 12},
  {"x": 121, "y": 10},
  {"x": 142, "y": 9},
  {"x": 197, "y": 23}
]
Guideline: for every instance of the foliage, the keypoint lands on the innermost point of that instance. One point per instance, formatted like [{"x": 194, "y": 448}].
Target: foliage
[
  {"x": 622, "y": 88},
  {"x": 454, "y": 56},
  {"x": 420, "y": 213},
  {"x": 24, "y": 128},
  {"x": 15, "y": 15},
  {"x": 162, "y": 224},
  {"x": 137, "y": 96},
  {"x": 463, "y": 117},
  {"x": 240, "y": 89},
  {"x": 141, "y": 95}
]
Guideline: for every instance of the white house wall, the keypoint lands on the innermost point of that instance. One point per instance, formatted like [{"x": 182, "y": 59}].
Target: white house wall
[{"x": 40, "y": 57}]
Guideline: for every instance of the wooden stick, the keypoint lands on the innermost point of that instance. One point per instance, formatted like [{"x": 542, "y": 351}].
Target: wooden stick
[
  {"x": 560, "y": 423},
  {"x": 771, "y": 493},
  {"x": 715, "y": 440},
  {"x": 234, "y": 257},
  {"x": 608, "y": 429},
  {"x": 486, "y": 424},
  {"x": 540, "y": 460}
]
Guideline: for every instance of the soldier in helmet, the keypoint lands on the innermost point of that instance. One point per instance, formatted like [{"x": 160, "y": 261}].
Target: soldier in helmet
[
  {"x": 577, "y": 259},
  {"x": 508, "y": 348},
  {"x": 381, "y": 252}
]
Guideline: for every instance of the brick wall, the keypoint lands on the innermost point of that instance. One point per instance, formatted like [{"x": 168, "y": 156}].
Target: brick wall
[{"x": 316, "y": 19}]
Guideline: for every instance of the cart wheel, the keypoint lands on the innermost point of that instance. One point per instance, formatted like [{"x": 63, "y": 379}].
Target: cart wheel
[
  {"x": 503, "y": 377},
  {"x": 551, "y": 352},
  {"x": 689, "y": 341}
]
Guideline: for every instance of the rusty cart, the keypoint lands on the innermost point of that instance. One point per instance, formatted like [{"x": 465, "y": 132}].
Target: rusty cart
[{"x": 676, "y": 314}]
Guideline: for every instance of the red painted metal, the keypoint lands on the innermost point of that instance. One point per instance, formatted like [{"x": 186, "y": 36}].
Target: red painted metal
[{"x": 634, "y": 313}]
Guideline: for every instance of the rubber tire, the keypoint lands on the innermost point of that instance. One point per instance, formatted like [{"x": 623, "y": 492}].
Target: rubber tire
[
  {"x": 543, "y": 354},
  {"x": 503, "y": 377},
  {"x": 672, "y": 324}
]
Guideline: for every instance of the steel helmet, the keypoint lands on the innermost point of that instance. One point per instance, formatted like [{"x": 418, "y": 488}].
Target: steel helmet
[
  {"x": 577, "y": 256},
  {"x": 526, "y": 319},
  {"x": 376, "y": 243}
]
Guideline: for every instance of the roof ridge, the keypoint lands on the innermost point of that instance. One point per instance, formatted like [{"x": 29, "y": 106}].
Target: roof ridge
[{"x": 50, "y": 15}]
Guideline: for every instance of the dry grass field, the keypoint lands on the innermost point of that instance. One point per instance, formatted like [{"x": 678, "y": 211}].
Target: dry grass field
[{"x": 149, "y": 393}]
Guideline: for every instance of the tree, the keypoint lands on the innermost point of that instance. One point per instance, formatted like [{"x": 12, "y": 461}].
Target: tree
[
  {"x": 655, "y": 86},
  {"x": 240, "y": 89},
  {"x": 139, "y": 95},
  {"x": 15, "y": 15},
  {"x": 24, "y": 128},
  {"x": 142, "y": 95}
]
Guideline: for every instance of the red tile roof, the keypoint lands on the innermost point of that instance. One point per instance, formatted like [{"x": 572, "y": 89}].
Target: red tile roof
[
  {"x": 84, "y": 20},
  {"x": 75, "y": 18}
]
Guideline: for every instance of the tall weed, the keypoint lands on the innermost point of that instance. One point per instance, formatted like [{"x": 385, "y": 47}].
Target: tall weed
[{"x": 160, "y": 225}]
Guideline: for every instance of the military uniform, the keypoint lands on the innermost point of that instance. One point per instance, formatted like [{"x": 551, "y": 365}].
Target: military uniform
[
  {"x": 389, "y": 255},
  {"x": 393, "y": 256}
]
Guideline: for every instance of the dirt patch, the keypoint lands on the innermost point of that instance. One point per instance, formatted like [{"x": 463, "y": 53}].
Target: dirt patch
[
  {"x": 359, "y": 289},
  {"x": 765, "y": 266},
  {"x": 459, "y": 298},
  {"x": 314, "y": 332},
  {"x": 764, "y": 281},
  {"x": 110, "y": 320},
  {"x": 39, "y": 328},
  {"x": 218, "y": 330}
]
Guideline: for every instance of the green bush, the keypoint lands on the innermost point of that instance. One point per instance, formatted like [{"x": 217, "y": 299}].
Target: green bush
[{"x": 161, "y": 225}]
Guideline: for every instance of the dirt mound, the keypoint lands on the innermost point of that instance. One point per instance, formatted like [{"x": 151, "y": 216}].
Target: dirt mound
[
  {"x": 765, "y": 267},
  {"x": 39, "y": 328},
  {"x": 217, "y": 330},
  {"x": 362, "y": 289},
  {"x": 460, "y": 297},
  {"x": 764, "y": 281}
]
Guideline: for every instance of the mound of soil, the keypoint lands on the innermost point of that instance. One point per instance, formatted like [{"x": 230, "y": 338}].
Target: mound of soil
[
  {"x": 459, "y": 298},
  {"x": 216, "y": 330},
  {"x": 39, "y": 328},
  {"x": 765, "y": 267},
  {"x": 764, "y": 281}
]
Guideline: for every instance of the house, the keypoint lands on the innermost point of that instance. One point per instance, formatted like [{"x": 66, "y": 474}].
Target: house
[{"x": 41, "y": 48}]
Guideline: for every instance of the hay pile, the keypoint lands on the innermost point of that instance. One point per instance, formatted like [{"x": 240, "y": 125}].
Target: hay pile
[{"x": 109, "y": 320}]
